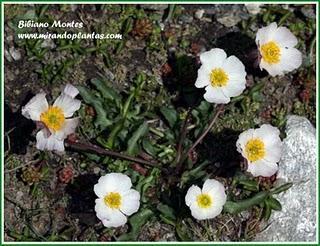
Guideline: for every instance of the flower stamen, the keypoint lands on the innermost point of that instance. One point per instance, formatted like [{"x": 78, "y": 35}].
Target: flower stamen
[
  {"x": 255, "y": 150},
  {"x": 204, "y": 201},
  {"x": 270, "y": 52},
  {"x": 218, "y": 77},
  {"x": 113, "y": 200},
  {"x": 53, "y": 118}
]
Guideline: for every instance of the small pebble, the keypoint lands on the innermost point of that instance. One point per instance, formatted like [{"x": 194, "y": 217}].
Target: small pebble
[
  {"x": 96, "y": 170},
  {"x": 199, "y": 14},
  {"x": 7, "y": 55},
  {"x": 48, "y": 43},
  {"x": 19, "y": 196},
  {"x": 15, "y": 54},
  {"x": 253, "y": 8}
]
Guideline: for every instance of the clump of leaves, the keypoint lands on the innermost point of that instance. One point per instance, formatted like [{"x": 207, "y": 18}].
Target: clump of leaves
[{"x": 162, "y": 134}]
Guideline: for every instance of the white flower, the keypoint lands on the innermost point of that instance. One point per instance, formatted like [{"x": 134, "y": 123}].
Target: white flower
[
  {"x": 262, "y": 148},
  {"x": 276, "y": 47},
  {"x": 54, "y": 118},
  {"x": 223, "y": 77},
  {"x": 208, "y": 202},
  {"x": 116, "y": 199}
]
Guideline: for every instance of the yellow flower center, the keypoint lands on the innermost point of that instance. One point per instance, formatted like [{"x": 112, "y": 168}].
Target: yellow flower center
[
  {"x": 270, "y": 52},
  {"x": 53, "y": 118},
  {"x": 204, "y": 201},
  {"x": 218, "y": 77},
  {"x": 255, "y": 149},
  {"x": 113, "y": 200}
]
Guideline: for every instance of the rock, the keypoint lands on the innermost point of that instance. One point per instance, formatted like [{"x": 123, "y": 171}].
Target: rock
[
  {"x": 162, "y": 26},
  {"x": 156, "y": 231},
  {"x": 229, "y": 20},
  {"x": 157, "y": 7},
  {"x": 41, "y": 223},
  {"x": 297, "y": 220},
  {"x": 253, "y": 8},
  {"x": 185, "y": 19},
  {"x": 9, "y": 38},
  {"x": 7, "y": 55},
  {"x": 96, "y": 170},
  {"x": 308, "y": 12},
  {"x": 231, "y": 15},
  {"x": 48, "y": 43},
  {"x": 15, "y": 54},
  {"x": 199, "y": 13},
  {"x": 73, "y": 7}
]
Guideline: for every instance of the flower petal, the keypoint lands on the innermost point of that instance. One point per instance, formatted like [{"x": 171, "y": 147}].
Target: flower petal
[
  {"x": 117, "y": 219},
  {"x": 234, "y": 88},
  {"x": 191, "y": 196},
  {"x": 291, "y": 59},
  {"x": 203, "y": 77},
  {"x": 67, "y": 104},
  {"x": 234, "y": 68},
  {"x": 262, "y": 168},
  {"x": 216, "y": 190},
  {"x": 42, "y": 140},
  {"x": 49, "y": 143},
  {"x": 55, "y": 144},
  {"x": 273, "y": 154},
  {"x": 69, "y": 127},
  {"x": 197, "y": 212},
  {"x": 112, "y": 182},
  {"x": 265, "y": 34},
  {"x": 205, "y": 213},
  {"x": 71, "y": 91},
  {"x": 273, "y": 70},
  {"x": 35, "y": 107},
  {"x": 215, "y": 95},
  {"x": 130, "y": 202},
  {"x": 102, "y": 210},
  {"x": 109, "y": 217},
  {"x": 213, "y": 58},
  {"x": 269, "y": 134},
  {"x": 243, "y": 138},
  {"x": 284, "y": 37}
]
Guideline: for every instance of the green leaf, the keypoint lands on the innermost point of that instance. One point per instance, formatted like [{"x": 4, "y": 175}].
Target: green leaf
[
  {"x": 183, "y": 231},
  {"x": 127, "y": 25},
  {"x": 237, "y": 99},
  {"x": 140, "y": 80},
  {"x": 136, "y": 222},
  {"x": 149, "y": 148},
  {"x": 281, "y": 188},
  {"x": 133, "y": 148},
  {"x": 251, "y": 185},
  {"x": 274, "y": 203},
  {"x": 146, "y": 182},
  {"x": 170, "y": 114},
  {"x": 114, "y": 133},
  {"x": 101, "y": 120},
  {"x": 167, "y": 214},
  {"x": 267, "y": 211},
  {"x": 106, "y": 91},
  {"x": 256, "y": 88},
  {"x": 239, "y": 206},
  {"x": 194, "y": 174},
  {"x": 93, "y": 157}
]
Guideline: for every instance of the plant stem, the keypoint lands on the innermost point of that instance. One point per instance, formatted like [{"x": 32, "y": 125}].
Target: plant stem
[
  {"x": 220, "y": 109},
  {"x": 89, "y": 147},
  {"x": 183, "y": 133}
]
